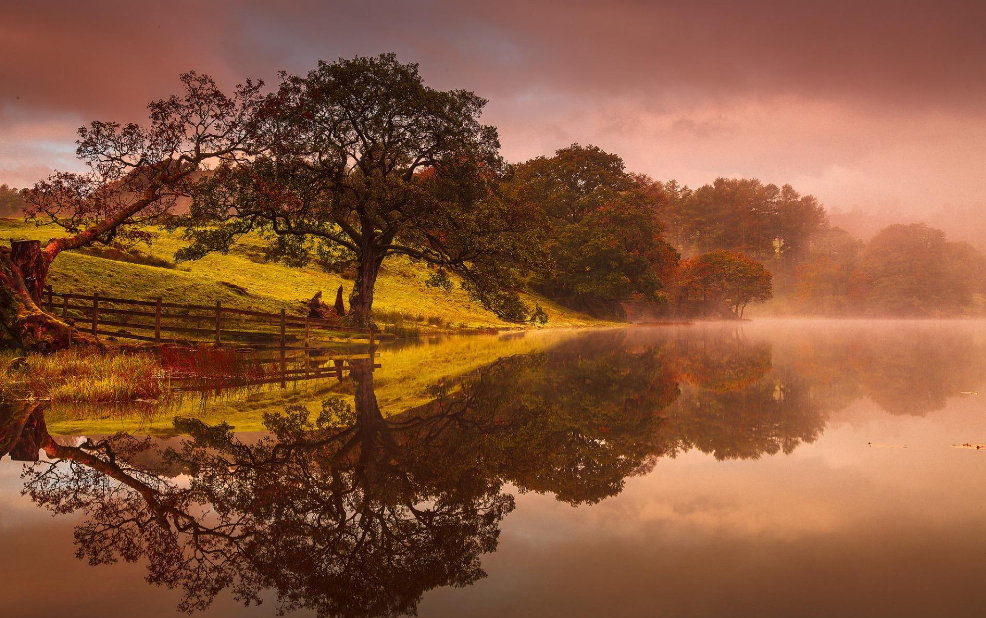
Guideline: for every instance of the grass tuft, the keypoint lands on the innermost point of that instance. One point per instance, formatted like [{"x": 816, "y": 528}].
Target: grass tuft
[{"x": 85, "y": 376}]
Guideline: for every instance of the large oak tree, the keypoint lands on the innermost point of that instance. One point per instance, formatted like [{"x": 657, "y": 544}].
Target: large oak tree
[{"x": 359, "y": 160}]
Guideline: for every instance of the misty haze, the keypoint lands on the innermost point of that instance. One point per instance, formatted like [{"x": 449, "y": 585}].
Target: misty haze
[{"x": 480, "y": 309}]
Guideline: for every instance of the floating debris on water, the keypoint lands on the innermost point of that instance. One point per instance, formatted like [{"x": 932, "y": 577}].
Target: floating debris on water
[{"x": 970, "y": 446}]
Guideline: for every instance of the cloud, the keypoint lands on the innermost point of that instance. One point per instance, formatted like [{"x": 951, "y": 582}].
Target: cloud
[{"x": 865, "y": 102}]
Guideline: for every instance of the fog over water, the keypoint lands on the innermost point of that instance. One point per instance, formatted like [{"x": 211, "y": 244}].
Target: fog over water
[{"x": 769, "y": 469}]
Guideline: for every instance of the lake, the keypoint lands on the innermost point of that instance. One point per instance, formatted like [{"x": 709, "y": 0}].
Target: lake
[{"x": 768, "y": 468}]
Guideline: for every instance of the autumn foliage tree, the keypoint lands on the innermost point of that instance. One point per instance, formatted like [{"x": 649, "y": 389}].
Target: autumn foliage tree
[
  {"x": 723, "y": 282},
  {"x": 135, "y": 176}
]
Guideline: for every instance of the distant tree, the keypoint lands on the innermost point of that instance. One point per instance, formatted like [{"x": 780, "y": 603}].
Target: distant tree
[
  {"x": 822, "y": 279},
  {"x": 12, "y": 203},
  {"x": 605, "y": 237},
  {"x": 724, "y": 281},
  {"x": 135, "y": 176},
  {"x": 765, "y": 222},
  {"x": 911, "y": 270},
  {"x": 905, "y": 270},
  {"x": 965, "y": 269},
  {"x": 359, "y": 161}
]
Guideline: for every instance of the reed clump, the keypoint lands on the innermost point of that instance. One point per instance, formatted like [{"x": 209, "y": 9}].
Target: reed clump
[{"x": 85, "y": 376}]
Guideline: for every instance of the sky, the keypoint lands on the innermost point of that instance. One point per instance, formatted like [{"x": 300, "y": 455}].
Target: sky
[{"x": 876, "y": 105}]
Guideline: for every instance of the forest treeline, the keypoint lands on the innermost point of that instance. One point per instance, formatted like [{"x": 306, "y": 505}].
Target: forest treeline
[
  {"x": 906, "y": 270},
  {"x": 358, "y": 161},
  {"x": 12, "y": 202},
  {"x": 613, "y": 236}
]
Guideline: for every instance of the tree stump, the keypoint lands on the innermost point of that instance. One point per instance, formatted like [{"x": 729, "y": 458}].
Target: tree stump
[
  {"x": 340, "y": 305},
  {"x": 24, "y": 433},
  {"x": 316, "y": 308},
  {"x": 25, "y": 255}
]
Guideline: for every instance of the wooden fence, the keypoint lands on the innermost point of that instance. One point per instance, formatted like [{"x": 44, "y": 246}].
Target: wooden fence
[
  {"x": 167, "y": 322},
  {"x": 232, "y": 369}
]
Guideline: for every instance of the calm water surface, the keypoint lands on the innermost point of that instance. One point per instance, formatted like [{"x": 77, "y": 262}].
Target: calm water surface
[{"x": 765, "y": 469}]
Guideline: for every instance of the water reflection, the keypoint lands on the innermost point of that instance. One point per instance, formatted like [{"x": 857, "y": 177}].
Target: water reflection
[{"x": 350, "y": 513}]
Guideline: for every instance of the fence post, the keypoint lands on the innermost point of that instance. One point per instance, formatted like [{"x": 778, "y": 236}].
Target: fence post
[
  {"x": 95, "y": 313},
  {"x": 284, "y": 366},
  {"x": 307, "y": 338},
  {"x": 219, "y": 321},
  {"x": 157, "y": 321},
  {"x": 283, "y": 326},
  {"x": 51, "y": 300}
]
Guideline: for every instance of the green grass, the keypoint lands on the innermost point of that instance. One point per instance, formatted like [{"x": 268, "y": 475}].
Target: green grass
[{"x": 242, "y": 280}]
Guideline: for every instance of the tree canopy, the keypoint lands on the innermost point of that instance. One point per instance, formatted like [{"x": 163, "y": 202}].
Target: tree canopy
[
  {"x": 763, "y": 221},
  {"x": 604, "y": 236}
]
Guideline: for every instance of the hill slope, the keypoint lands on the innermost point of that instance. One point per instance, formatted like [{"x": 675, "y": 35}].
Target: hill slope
[{"x": 243, "y": 280}]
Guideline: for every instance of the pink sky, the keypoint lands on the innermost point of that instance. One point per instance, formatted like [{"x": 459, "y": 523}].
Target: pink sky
[{"x": 880, "y": 105}]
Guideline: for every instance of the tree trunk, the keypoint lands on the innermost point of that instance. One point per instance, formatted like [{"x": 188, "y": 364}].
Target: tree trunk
[
  {"x": 373, "y": 430},
  {"x": 23, "y": 324},
  {"x": 361, "y": 299}
]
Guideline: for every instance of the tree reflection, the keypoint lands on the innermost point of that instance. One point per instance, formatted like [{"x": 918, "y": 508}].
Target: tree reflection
[
  {"x": 915, "y": 375},
  {"x": 329, "y": 511},
  {"x": 346, "y": 512},
  {"x": 575, "y": 421},
  {"x": 349, "y": 513},
  {"x": 735, "y": 404},
  {"x": 910, "y": 370}
]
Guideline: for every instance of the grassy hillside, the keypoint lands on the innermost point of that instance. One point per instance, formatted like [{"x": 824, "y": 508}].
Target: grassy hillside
[{"x": 243, "y": 280}]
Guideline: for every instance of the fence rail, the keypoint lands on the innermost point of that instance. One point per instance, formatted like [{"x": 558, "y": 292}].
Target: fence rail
[
  {"x": 168, "y": 322},
  {"x": 207, "y": 369}
]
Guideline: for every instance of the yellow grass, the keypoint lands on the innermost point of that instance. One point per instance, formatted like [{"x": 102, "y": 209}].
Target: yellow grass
[{"x": 242, "y": 280}]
